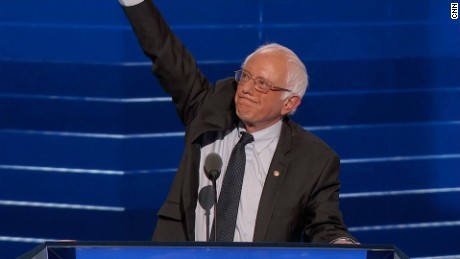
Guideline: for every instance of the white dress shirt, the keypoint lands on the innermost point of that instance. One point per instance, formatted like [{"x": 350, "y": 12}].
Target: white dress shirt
[
  {"x": 130, "y": 2},
  {"x": 259, "y": 155}
]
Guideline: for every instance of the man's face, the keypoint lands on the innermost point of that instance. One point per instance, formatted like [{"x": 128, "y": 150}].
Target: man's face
[{"x": 258, "y": 110}]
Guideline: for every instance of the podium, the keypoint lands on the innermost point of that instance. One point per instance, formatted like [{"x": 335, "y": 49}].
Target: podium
[{"x": 192, "y": 250}]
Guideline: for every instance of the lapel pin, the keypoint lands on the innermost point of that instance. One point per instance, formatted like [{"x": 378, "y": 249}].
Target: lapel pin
[{"x": 276, "y": 173}]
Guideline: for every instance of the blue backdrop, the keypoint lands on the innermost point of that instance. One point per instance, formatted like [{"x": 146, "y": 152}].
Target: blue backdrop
[{"x": 89, "y": 143}]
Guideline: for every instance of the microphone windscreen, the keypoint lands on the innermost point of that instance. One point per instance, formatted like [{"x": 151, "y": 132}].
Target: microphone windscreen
[
  {"x": 212, "y": 166},
  {"x": 206, "y": 197}
]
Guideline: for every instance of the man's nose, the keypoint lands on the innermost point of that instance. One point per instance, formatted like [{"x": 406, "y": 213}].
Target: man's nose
[{"x": 248, "y": 86}]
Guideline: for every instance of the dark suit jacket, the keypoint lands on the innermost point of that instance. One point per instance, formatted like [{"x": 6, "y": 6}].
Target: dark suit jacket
[{"x": 299, "y": 204}]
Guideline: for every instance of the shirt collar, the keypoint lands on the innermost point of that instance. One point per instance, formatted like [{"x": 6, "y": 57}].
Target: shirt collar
[{"x": 265, "y": 137}]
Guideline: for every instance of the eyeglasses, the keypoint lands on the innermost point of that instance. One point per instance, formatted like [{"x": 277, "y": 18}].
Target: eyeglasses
[{"x": 261, "y": 84}]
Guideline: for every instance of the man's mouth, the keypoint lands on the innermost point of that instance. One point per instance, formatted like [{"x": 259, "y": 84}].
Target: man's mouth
[{"x": 246, "y": 99}]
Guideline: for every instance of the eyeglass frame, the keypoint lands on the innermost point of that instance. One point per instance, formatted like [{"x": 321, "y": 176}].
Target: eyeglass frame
[{"x": 257, "y": 82}]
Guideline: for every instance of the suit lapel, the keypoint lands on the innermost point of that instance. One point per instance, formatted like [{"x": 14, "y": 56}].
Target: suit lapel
[{"x": 274, "y": 178}]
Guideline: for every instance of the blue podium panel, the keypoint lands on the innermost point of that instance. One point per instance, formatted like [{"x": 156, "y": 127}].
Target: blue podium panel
[
  {"x": 191, "y": 250},
  {"x": 216, "y": 252}
]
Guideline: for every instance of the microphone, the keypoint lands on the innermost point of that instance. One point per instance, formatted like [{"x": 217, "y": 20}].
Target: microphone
[
  {"x": 212, "y": 167},
  {"x": 206, "y": 199}
]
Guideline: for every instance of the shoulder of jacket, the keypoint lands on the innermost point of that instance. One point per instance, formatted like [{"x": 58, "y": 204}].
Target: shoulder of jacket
[{"x": 304, "y": 139}]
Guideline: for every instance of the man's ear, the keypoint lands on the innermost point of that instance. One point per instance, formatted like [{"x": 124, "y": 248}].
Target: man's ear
[{"x": 290, "y": 104}]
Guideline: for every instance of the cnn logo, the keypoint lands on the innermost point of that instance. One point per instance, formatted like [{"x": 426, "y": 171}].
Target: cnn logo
[{"x": 454, "y": 11}]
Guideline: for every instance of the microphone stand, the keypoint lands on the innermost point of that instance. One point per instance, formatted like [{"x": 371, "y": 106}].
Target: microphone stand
[
  {"x": 212, "y": 167},
  {"x": 207, "y": 213},
  {"x": 206, "y": 201},
  {"x": 214, "y": 185}
]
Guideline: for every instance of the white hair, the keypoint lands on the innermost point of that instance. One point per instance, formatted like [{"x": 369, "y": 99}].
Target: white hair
[{"x": 297, "y": 78}]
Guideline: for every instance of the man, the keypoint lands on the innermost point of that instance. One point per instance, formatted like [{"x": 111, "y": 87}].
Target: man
[{"x": 290, "y": 186}]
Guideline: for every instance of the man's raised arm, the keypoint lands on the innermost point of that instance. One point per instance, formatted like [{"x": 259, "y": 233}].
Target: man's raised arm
[{"x": 173, "y": 65}]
